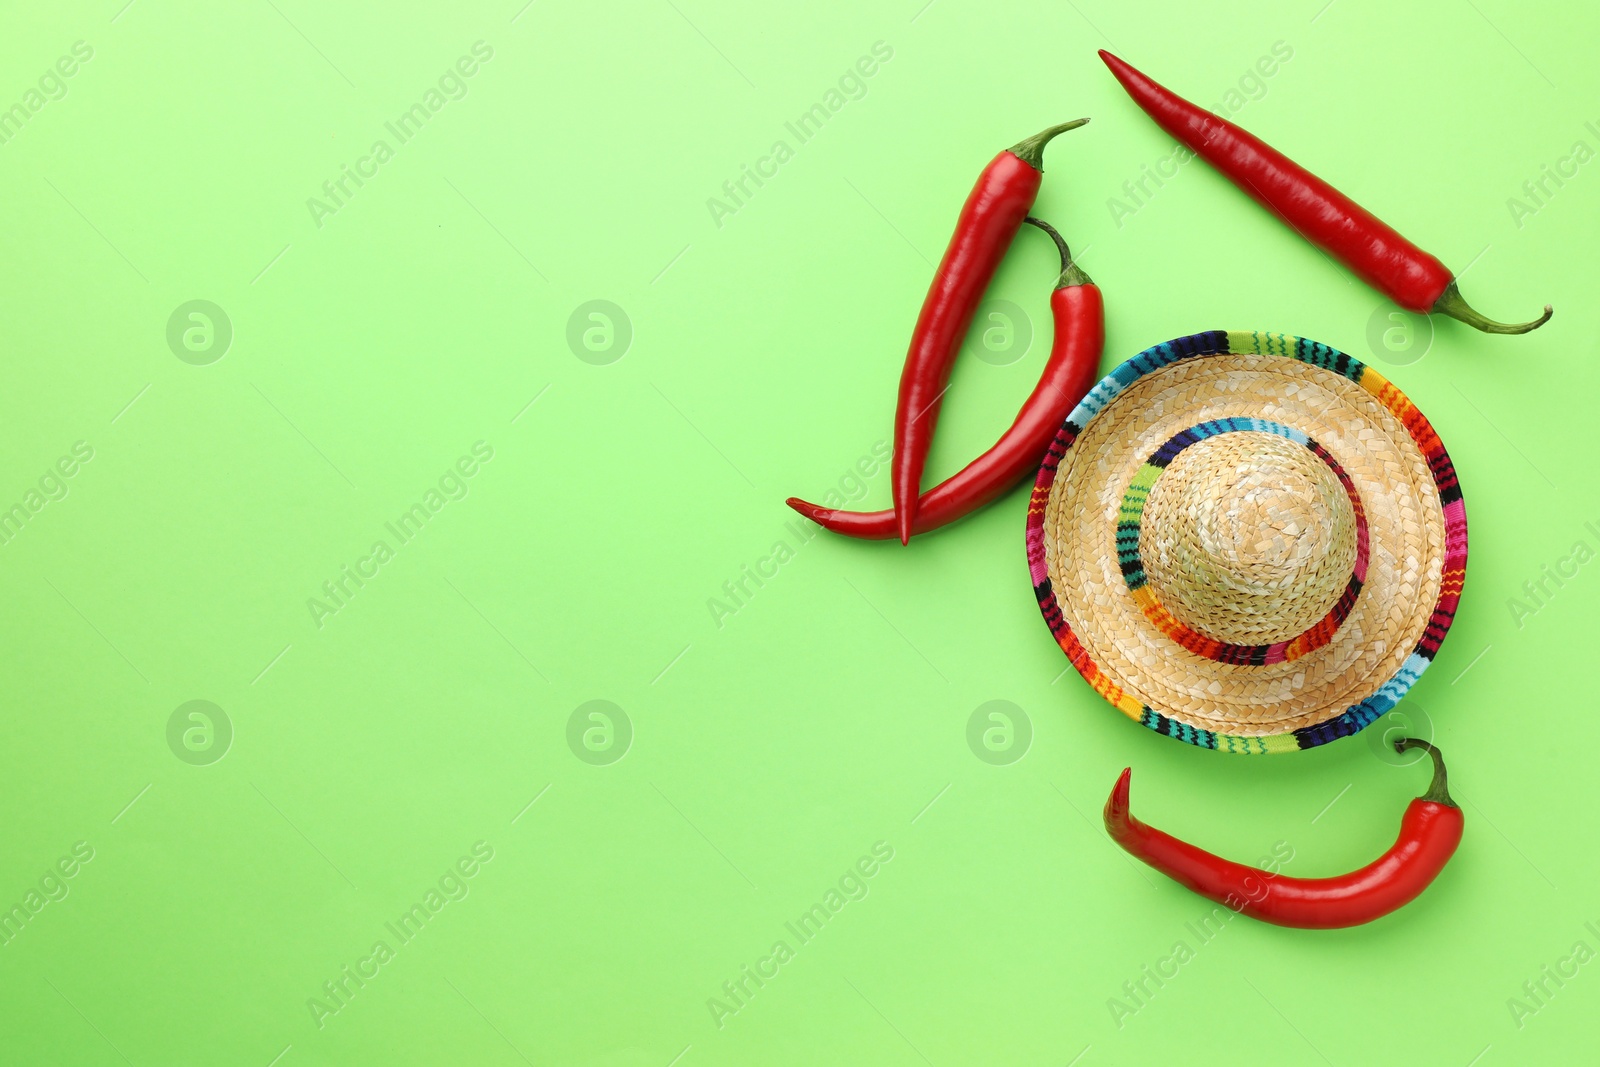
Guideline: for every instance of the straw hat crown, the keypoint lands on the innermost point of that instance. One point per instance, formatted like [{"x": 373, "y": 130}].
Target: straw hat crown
[{"x": 1248, "y": 539}]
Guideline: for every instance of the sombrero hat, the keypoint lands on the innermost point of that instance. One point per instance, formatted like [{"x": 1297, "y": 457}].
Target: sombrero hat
[{"x": 1248, "y": 541}]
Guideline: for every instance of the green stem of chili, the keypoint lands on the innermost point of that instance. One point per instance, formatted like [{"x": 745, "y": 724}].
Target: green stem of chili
[
  {"x": 1031, "y": 150},
  {"x": 1071, "y": 273},
  {"x": 1438, "y": 789},
  {"x": 1452, "y": 303}
]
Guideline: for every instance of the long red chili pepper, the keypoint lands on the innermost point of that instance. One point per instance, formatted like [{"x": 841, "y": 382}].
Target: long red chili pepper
[
  {"x": 1430, "y": 830},
  {"x": 1320, "y": 213},
  {"x": 1079, "y": 315},
  {"x": 990, "y": 218}
]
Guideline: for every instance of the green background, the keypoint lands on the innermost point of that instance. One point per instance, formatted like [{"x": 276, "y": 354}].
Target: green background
[{"x": 765, "y": 752}]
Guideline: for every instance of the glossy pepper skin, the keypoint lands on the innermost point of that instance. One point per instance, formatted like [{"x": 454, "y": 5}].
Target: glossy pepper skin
[
  {"x": 1430, "y": 830},
  {"x": 1316, "y": 210},
  {"x": 1078, "y": 311},
  {"x": 990, "y": 218}
]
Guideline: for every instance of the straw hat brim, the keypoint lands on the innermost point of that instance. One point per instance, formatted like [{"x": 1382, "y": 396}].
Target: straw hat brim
[{"x": 1405, "y": 492}]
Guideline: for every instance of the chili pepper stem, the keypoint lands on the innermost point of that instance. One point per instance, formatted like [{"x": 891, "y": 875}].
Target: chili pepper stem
[
  {"x": 1071, "y": 273},
  {"x": 1452, "y": 303},
  {"x": 1031, "y": 150},
  {"x": 1438, "y": 789}
]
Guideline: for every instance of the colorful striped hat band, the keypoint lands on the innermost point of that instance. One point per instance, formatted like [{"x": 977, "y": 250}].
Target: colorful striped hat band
[{"x": 1248, "y": 541}]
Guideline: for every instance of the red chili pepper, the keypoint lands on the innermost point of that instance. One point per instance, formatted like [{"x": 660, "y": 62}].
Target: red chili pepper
[
  {"x": 1079, "y": 314},
  {"x": 1430, "y": 830},
  {"x": 1320, "y": 213},
  {"x": 988, "y": 221}
]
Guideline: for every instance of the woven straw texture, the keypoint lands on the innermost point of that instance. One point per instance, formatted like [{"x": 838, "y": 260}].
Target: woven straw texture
[
  {"x": 1248, "y": 538},
  {"x": 1248, "y": 541}
]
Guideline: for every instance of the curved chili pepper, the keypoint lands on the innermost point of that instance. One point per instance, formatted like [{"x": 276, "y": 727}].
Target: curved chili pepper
[
  {"x": 990, "y": 218},
  {"x": 1079, "y": 315},
  {"x": 1430, "y": 830},
  {"x": 1316, "y": 210}
]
